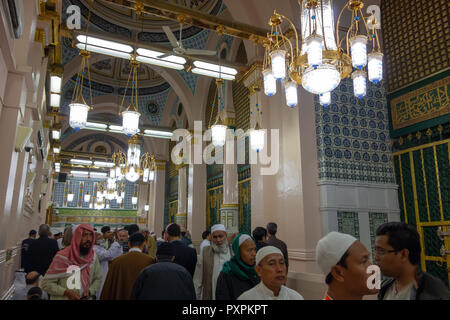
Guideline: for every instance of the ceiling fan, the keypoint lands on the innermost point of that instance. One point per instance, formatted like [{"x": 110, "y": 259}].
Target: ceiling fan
[{"x": 178, "y": 48}]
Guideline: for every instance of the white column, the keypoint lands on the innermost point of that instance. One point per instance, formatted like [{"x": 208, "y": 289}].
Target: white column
[
  {"x": 9, "y": 121},
  {"x": 19, "y": 190},
  {"x": 196, "y": 219},
  {"x": 158, "y": 200},
  {"x": 181, "y": 217},
  {"x": 229, "y": 212}
]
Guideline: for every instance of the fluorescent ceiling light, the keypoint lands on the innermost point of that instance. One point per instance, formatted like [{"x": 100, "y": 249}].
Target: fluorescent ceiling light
[
  {"x": 99, "y": 174},
  {"x": 103, "y": 164},
  {"x": 213, "y": 74},
  {"x": 156, "y": 54},
  {"x": 105, "y": 43},
  {"x": 156, "y": 133},
  {"x": 215, "y": 67},
  {"x": 113, "y": 127},
  {"x": 80, "y": 161},
  {"x": 55, "y": 84},
  {"x": 79, "y": 173},
  {"x": 96, "y": 125},
  {"x": 105, "y": 51},
  {"x": 159, "y": 62},
  {"x": 55, "y": 100}
]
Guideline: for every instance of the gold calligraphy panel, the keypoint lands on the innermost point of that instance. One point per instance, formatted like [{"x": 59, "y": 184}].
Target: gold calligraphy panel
[{"x": 423, "y": 104}]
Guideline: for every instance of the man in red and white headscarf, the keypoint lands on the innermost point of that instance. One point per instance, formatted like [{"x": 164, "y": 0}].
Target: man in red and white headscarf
[{"x": 75, "y": 272}]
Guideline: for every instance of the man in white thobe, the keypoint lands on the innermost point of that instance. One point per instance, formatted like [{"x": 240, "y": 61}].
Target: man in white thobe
[
  {"x": 210, "y": 263},
  {"x": 105, "y": 256},
  {"x": 271, "y": 268}
]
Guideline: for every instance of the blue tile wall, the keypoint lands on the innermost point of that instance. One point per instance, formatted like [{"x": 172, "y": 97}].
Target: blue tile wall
[{"x": 353, "y": 142}]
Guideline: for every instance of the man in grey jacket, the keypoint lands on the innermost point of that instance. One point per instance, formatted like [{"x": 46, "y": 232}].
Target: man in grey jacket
[{"x": 397, "y": 253}]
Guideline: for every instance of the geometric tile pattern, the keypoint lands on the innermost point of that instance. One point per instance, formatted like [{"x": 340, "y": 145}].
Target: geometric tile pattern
[
  {"x": 415, "y": 40},
  {"x": 375, "y": 220},
  {"x": 348, "y": 223},
  {"x": 174, "y": 107},
  {"x": 353, "y": 136}
]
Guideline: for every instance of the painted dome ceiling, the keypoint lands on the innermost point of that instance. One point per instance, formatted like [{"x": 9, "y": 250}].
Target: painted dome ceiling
[{"x": 109, "y": 75}]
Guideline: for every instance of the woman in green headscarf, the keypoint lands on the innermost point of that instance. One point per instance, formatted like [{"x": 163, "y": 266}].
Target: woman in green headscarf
[{"x": 238, "y": 274}]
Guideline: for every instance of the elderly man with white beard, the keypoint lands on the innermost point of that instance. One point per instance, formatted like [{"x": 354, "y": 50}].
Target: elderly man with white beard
[{"x": 210, "y": 263}]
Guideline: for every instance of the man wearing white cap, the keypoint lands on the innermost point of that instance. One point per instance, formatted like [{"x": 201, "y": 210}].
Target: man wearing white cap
[
  {"x": 271, "y": 268},
  {"x": 210, "y": 263},
  {"x": 345, "y": 261}
]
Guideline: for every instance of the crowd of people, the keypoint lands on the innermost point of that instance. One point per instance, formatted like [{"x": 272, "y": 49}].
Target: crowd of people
[{"x": 132, "y": 263}]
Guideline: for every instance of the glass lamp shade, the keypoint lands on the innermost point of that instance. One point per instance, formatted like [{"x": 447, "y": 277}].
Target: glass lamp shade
[
  {"x": 55, "y": 100},
  {"x": 151, "y": 175},
  {"x": 119, "y": 174},
  {"x": 146, "y": 207},
  {"x": 325, "y": 78},
  {"x": 359, "y": 84},
  {"x": 78, "y": 115},
  {"x": 278, "y": 60},
  {"x": 130, "y": 122},
  {"x": 87, "y": 197},
  {"x": 56, "y": 134},
  {"x": 132, "y": 175},
  {"x": 257, "y": 139},
  {"x": 219, "y": 133},
  {"x": 133, "y": 154},
  {"x": 314, "y": 49},
  {"x": 146, "y": 174},
  {"x": 325, "y": 99},
  {"x": 375, "y": 67},
  {"x": 70, "y": 197},
  {"x": 134, "y": 200},
  {"x": 358, "y": 47},
  {"x": 270, "y": 83},
  {"x": 291, "y": 93},
  {"x": 55, "y": 84}
]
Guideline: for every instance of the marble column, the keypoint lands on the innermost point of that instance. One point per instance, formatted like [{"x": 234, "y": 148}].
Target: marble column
[
  {"x": 288, "y": 194},
  {"x": 196, "y": 220},
  {"x": 181, "y": 217},
  {"x": 229, "y": 212},
  {"x": 157, "y": 200},
  {"x": 19, "y": 189},
  {"x": 9, "y": 121}
]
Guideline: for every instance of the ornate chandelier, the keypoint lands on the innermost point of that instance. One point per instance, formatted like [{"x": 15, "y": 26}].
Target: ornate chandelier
[
  {"x": 218, "y": 129},
  {"x": 130, "y": 117},
  {"x": 78, "y": 107},
  {"x": 318, "y": 62},
  {"x": 132, "y": 166}
]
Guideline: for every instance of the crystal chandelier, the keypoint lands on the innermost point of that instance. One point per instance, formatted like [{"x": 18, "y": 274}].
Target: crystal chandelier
[
  {"x": 317, "y": 61},
  {"x": 132, "y": 166}
]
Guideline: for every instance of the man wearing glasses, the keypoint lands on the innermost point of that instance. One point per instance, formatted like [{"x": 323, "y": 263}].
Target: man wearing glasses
[{"x": 397, "y": 253}]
